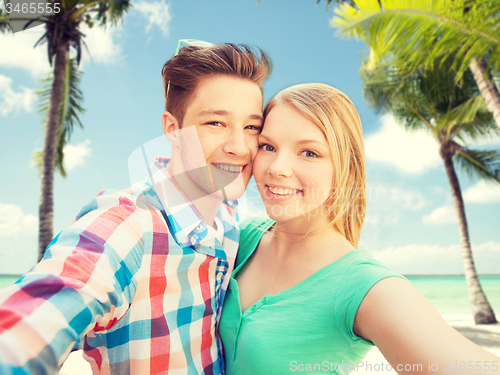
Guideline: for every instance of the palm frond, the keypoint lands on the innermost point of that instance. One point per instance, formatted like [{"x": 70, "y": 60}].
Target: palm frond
[
  {"x": 481, "y": 128},
  {"x": 333, "y": 2},
  {"x": 476, "y": 163},
  {"x": 422, "y": 30},
  {"x": 112, "y": 11},
  {"x": 4, "y": 21},
  {"x": 415, "y": 99},
  {"x": 430, "y": 98},
  {"x": 462, "y": 113},
  {"x": 436, "y": 84},
  {"x": 71, "y": 109},
  {"x": 37, "y": 159},
  {"x": 382, "y": 84}
]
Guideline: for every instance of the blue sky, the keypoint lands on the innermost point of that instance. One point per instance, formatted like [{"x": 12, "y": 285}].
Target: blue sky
[{"x": 410, "y": 217}]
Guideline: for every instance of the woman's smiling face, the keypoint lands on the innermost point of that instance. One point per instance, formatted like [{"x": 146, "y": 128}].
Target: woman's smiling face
[{"x": 293, "y": 168}]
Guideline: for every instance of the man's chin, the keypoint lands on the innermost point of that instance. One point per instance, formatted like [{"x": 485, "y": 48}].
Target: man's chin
[
  {"x": 228, "y": 194},
  {"x": 233, "y": 191}
]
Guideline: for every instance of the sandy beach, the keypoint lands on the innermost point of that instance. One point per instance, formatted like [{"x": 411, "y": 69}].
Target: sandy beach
[{"x": 487, "y": 336}]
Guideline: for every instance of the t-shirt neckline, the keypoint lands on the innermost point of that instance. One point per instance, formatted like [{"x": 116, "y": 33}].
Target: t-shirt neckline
[{"x": 309, "y": 280}]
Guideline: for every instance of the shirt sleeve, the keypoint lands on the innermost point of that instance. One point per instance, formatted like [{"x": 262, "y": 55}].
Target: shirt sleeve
[
  {"x": 357, "y": 281},
  {"x": 85, "y": 282}
]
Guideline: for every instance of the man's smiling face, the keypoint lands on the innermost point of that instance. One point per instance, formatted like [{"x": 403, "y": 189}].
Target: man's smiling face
[{"x": 226, "y": 113}]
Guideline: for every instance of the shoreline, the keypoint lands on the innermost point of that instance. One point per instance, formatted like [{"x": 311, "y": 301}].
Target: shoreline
[{"x": 485, "y": 335}]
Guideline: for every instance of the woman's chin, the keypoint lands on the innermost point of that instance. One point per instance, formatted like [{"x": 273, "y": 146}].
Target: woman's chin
[{"x": 278, "y": 216}]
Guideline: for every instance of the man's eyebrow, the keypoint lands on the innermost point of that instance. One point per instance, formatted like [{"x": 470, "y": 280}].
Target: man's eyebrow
[
  {"x": 257, "y": 117},
  {"x": 211, "y": 112}
]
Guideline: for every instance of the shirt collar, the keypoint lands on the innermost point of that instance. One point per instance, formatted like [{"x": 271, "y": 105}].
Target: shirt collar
[{"x": 186, "y": 224}]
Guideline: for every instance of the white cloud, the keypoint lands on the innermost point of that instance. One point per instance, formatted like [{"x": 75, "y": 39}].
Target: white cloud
[
  {"x": 408, "y": 198},
  {"x": 18, "y": 49},
  {"x": 434, "y": 259},
  {"x": 101, "y": 44},
  {"x": 483, "y": 193},
  {"x": 488, "y": 247},
  {"x": 75, "y": 155},
  {"x": 439, "y": 190},
  {"x": 157, "y": 13},
  {"x": 385, "y": 202},
  {"x": 18, "y": 52},
  {"x": 414, "y": 152},
  {"x": 441, "y": 216},
  {"x": 18, "y": 239},
  {"x": 14, "y": 222},
  {"x": 11, "y": 101}
]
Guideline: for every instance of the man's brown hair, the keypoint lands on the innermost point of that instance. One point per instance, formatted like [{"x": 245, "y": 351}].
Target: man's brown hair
[{"x": 183, "y": 72}]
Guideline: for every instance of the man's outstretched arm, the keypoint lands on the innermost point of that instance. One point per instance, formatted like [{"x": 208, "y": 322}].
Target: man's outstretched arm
[{"x": 85, "y": 282}]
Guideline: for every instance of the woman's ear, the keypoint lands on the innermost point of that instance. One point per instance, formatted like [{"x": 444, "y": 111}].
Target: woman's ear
[{"x": 170, "y": 127}]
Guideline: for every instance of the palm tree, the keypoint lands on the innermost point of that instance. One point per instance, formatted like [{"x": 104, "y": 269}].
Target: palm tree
[
  {"x": 71, "y": 109},
  {"x": 454, "y": 115},
  {"x": 63, "y": 32},
  {"x": 412, "y": 33}
]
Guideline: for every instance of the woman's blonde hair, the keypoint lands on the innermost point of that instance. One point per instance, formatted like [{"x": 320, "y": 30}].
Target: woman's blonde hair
[{"x": 333, "y": 112}]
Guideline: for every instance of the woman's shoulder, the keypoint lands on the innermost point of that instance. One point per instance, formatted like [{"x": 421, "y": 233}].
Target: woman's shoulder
[
  {"x": 360, "y": 273},
  {"x": 254, "y": 227},
  {"x": 361, "y": 262},
  {"x": 254, "y": 221},
  {"x": 251, "y": 231},
  {"x": 357, "y": 271},
  {"x": 360, "y": 256}
]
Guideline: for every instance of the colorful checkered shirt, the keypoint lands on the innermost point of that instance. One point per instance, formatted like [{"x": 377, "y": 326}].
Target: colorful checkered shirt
[{"x": 136, "y": 281}]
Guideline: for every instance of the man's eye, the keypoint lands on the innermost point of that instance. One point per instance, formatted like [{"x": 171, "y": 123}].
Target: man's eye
[
  {"x": 309, "y": 154},
  {"x": 266, "y": 147},
  {"x": 254, "y": 127}
]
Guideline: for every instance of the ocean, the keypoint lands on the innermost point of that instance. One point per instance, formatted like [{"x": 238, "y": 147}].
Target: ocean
[{"x": 448, "y": 294}]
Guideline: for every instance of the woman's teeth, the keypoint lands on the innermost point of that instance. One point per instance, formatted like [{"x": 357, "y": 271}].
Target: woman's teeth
[
  {"x": 230, "y": 168},
  {"x": 282, "y": 191}
]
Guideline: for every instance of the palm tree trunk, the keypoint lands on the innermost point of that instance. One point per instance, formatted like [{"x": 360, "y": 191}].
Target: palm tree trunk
[
  {"x": 46, "y": 208},
  {"x": 481, "y": 309},
  {"x": 487, "y": 87}
]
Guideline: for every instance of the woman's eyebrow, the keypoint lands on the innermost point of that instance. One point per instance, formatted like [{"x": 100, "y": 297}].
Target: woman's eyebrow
[
  {"x": 309, "y": 141},
  {"x": 300, "y": 142},
  {"x": 264, "y": 136}
]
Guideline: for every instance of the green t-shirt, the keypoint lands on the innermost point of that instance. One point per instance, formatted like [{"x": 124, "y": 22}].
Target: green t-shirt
[{"x": 306, "y": 328}]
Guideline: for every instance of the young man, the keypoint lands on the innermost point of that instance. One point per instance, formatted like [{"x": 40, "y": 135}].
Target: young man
[{"x": 138, "y": 280}]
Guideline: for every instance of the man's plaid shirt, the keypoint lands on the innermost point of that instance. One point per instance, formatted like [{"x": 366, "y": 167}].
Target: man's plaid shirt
[{"x": 137, "y": 283}]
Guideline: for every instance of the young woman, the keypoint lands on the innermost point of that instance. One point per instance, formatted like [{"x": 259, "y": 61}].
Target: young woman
[{"x": 302, "y": 297}]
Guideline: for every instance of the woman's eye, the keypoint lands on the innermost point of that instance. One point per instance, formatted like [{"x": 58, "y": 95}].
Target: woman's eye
[
  {"x": 309, "y": 154},
  {"x": 266, "y": 147},
  {"x": 216, "y": 123}
]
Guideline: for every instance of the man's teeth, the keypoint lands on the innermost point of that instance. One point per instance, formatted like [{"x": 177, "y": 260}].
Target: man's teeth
[
  {"x": 282, "y": 191},
  {"x": 230, "y": 168}
]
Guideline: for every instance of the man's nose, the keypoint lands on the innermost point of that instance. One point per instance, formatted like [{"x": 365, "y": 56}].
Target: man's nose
[{"x": 237, "y": 143}]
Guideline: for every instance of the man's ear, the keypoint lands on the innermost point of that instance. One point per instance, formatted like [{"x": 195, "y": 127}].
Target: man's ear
[{"x": 170, "y": 125}]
